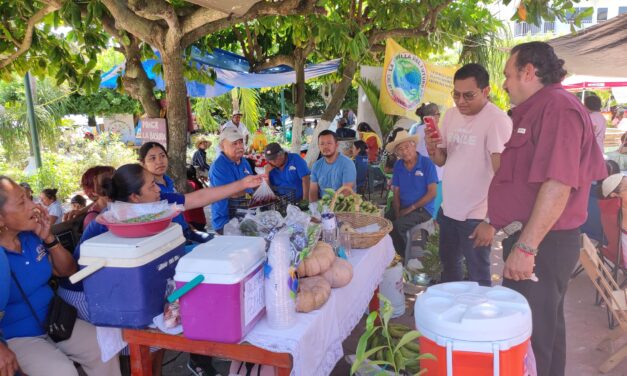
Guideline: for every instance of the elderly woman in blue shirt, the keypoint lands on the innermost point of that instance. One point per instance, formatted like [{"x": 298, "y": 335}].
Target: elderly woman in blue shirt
[
  {"x": 414, "y": 185},
  {"x": 34, "y": 255},
  {"x": 8, "y": 361}
]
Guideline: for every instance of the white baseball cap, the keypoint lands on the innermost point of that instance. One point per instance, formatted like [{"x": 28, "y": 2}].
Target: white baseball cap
[
  {"x": 230, "y": 134},
  {"x": 611, "y": 183}
]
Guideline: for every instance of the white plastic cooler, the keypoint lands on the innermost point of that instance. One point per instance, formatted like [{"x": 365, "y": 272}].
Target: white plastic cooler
[
  {"x": 473, "y": 330},
  {"x": 125, "y": 278},
  {"x": 230, "y": 300}
]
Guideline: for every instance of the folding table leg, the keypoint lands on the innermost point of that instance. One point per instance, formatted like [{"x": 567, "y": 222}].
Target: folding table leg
[{"x": 141, "y": 364}]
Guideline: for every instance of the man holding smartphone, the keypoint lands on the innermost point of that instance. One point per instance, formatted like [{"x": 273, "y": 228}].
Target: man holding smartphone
[{"x": 469, "y": 145}]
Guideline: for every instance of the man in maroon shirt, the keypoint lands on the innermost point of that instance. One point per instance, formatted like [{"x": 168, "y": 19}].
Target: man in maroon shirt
[{"x": 544, "y": 180}]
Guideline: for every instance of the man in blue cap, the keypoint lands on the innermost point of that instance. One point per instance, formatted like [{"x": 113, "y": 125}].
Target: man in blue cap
[{"x": 288, "y": 172}]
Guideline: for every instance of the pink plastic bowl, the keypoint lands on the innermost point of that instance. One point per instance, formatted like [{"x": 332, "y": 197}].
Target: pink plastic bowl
[{"x": 137, "y": 230}]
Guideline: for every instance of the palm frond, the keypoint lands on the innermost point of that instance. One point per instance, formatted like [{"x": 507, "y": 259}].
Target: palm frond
[
  {"x": 205, "y": 110},
  {"x": 386, "y": 122},
  {"x": 249, "y": 106}
]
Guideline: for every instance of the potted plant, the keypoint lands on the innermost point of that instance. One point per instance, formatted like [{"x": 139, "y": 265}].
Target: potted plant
[{"x": 387, "y": 348}]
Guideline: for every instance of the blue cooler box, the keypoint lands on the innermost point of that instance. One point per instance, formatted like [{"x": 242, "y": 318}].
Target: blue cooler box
[{"x": 126, "y": 277}]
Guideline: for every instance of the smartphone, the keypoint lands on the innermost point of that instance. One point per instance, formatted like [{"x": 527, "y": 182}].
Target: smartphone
[{"x": 431, "y": 126}]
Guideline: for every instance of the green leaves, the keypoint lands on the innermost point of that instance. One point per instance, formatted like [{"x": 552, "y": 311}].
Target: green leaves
[
  {"x": 104, "y": 102},
  {"x": 386, "y": 122},
  {"x": 386, "y": 347}
]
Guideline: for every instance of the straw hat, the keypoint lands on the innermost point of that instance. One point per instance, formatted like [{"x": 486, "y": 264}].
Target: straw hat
[
  {"x": 611, "y": 183},
  {"x": 201, "y": 140},
  {"x": 401, "y": 137}
]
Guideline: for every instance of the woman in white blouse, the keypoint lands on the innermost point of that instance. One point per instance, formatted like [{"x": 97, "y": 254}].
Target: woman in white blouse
[{"x": 49, "y": 199}]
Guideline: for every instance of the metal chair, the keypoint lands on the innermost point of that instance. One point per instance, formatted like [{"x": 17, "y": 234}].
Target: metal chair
[{"x": 423, "y": 229}]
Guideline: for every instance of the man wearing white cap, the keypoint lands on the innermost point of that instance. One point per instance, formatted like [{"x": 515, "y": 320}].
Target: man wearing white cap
[
  {"x": 227, "y": 168},
  {"x": 235, "y": 122}
]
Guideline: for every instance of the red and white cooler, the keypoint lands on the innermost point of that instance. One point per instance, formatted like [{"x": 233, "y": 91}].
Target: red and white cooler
[
  {"x": 473, "y": 330},
  {"x": 230, "y": 300}
]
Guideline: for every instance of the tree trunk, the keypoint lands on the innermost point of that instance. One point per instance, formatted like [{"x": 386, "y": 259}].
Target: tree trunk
[
  {"x": 91, "y": 121},
  {"x": 176, "y": 97},
  {"x": 136, "y": 81},
  {"x": 297, "y": 124},
  {"x": 332, "y": 109}
]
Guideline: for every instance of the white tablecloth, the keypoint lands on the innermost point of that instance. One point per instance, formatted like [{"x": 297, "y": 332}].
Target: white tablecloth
[{"x": 315, "y": 341}]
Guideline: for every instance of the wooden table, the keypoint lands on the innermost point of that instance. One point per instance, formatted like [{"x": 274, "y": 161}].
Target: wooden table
[{"x": 140, "y": 341}]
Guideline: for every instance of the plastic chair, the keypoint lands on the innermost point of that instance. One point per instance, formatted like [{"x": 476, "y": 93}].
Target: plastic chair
[
  {"x": 614, "y": 297},
  {"x": 423, "y": 229},
  {"x": 611, "y": 252}
]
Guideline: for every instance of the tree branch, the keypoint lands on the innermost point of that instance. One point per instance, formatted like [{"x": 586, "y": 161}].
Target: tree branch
[
  {"x": 263, "y": 8},
  {"x": 11, "y": 38},
  {"x": 423, "y": 29},
  {"x": 135, "y": 80},
  {"x": 51, "y": 6},
  {"x": 199, "y": 18},
  {"x": 275, "y": 61},
  {"x": 155, "y": 10},
  {"x": 146, "y": 30},
  {"x": 242, "y": 43}
]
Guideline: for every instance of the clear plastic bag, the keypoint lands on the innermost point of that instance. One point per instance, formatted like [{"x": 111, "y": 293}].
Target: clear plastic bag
[
  {"x": 126, "y": 212},
  {"x": 263, "y": 195},
  {"x": 233, "y": 227},
  {"x": 171, "y": 311},
  {"x": 296, "y": 216}
]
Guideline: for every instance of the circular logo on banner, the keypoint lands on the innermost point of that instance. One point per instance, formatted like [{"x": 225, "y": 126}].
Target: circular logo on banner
[{"x": 405, "y": 80}]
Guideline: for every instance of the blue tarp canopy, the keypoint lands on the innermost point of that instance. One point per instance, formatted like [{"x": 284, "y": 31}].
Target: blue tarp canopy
[{"x": 231, "y": 70}]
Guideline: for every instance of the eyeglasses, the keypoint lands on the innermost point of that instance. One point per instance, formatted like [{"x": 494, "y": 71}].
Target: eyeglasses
[{"x": 468, "y": 96}]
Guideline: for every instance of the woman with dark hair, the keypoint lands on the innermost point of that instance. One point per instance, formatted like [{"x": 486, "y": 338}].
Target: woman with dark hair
[
  {"x": 360, "y": 157},
  {"x": 426, "y": 109},
  {"x": 154, "y": 158},
  {"x": 135, "y": 184},
  {"x": 34, "y": 255},
  {"x": 371, "y": 139},
  {"x": 48, "y": 198},
  {"x": 91, "y": 182},
  {"x": 132, "y": 183}
]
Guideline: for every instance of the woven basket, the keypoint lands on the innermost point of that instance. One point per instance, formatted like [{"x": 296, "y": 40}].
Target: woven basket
[{"x": 368, "y": 239}]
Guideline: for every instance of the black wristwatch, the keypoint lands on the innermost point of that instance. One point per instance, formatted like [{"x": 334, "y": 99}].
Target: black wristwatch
[{"x": 52, "y": 243}]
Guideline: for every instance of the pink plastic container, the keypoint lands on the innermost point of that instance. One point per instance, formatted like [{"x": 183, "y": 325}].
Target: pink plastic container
[
  {"x": 137, "y": 230},
  {"x": 230, "y": 300}
]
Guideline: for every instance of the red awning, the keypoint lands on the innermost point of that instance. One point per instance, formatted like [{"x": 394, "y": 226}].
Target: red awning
[{"x": 577, "y": 82}]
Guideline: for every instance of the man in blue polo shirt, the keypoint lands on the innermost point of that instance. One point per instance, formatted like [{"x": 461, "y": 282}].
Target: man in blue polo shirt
[
  {"x": 8, "y": 361},
  {"x": 333, "y": 170},
  {"x": 227, "y": 168},
  {"x": 288, "y": 172},
  {"x": 414, "y": 185}
]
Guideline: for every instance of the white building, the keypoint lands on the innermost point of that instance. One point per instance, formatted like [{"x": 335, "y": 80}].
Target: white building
[{"x": 603, "y": 11}]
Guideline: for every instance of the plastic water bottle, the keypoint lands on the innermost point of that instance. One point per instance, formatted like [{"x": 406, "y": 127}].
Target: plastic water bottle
[{"x": 329, "y": 227}]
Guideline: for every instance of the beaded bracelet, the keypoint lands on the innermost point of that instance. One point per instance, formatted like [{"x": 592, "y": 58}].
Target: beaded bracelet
[{"x": 525, "y": 248}]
